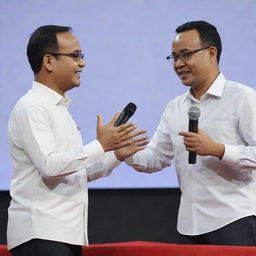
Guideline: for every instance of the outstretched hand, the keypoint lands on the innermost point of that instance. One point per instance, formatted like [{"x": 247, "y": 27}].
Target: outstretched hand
[
  {"x": 137, "y": 145},
  {"x": 111, "y": 137}
]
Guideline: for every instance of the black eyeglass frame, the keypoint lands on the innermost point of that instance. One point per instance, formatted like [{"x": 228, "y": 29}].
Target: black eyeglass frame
[
  {"x": 184, "y": 56},
  {"x": 77, "y": 56}
]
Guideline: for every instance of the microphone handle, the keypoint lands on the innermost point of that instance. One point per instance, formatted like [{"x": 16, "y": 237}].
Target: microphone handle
[
  {"x": 122, "y": 119},
  {"x": 193, "y": 127}
]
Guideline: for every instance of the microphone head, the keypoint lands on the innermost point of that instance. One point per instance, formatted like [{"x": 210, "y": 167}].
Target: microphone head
[
  {"x": 194, "y": 113},
  {"x": 130, "y": 109}
]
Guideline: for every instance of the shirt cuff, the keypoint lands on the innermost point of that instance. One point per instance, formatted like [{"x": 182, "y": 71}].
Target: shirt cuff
[
  {"x": 93, "y": 150},
  {"x": 111, "y": 160},
  {"x": 231, "y": 155}
]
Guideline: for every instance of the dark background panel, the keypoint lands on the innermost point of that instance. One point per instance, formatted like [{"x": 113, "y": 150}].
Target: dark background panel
[{"x": 117, "y": 215}]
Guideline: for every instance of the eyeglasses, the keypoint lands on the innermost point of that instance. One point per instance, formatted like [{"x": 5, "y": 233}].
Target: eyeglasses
[
  {"x": 77, "y": 56},
  {"x": 185, "y": 56}
]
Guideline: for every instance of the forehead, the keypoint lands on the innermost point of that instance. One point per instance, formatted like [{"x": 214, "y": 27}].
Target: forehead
[
  {"x": 188, "y": 40},
  {"x": 67, "y": 41}
]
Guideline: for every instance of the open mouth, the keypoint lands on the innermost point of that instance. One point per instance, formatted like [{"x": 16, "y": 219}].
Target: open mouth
[
  {"x": 183, "y": 74},
  {"x": 78, "y": 73}
]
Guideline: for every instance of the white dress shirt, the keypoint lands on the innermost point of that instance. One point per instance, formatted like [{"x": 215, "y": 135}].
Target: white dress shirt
[
  {"x": 214, "y": 192},
  {"x": 51, "y": 166}
]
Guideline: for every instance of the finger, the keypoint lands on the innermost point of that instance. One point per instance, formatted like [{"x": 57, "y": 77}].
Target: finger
[
  {"x": 129, "y": 136},
  {"x": 140, "y": 139},
  {"x": 112, "y": 122},
  {"x": 190, "y": 139},
  {"x": 186, "y": 134},
  {"x": 190, "y": 145},
  {"x": 191, "y": 149},
  {"x": 135, "y": 134},
  {"x": 99, "y": 120},
  {"x": 127, "y": 133},
  {"x": 123, "y": 127},
  {"x": 143, "y": 143},
  {"x": 125, "y": 143},
  {"x": 138, "y": 149},
  {"x": 141, "y": 148}
]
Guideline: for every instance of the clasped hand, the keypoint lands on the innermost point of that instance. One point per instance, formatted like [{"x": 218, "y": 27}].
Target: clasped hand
[
  {"x": 123, "y": 136},
  {"x": 202, "y": 144}
]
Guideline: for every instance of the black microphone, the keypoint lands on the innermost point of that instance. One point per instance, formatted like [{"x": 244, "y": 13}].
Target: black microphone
[
  {"x": 193, "y": 113},
  {"x": 127, "y": 112}
]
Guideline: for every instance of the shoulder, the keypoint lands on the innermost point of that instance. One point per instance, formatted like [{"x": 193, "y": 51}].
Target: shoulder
[
  {"x": 176, "y": 101},
  {"x": 236, "y": 87},
  {"x": 242, "y": 95},
  {"x": 30, "y": 106},
  {"x": 32, "y": 100}
]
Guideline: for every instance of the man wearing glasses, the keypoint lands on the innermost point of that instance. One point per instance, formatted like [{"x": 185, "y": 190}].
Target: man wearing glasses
[
  {"x": 48, "y": 210},
  {"x": 218, "y": 192}
]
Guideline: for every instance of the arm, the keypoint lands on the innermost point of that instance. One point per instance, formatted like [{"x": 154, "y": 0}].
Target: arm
[
  {"x": 239, "y": 157},
  {"x": 158, "y": 153},
  {"x": 243, "y": 157},
  {"x": 102, "y": 168},
  {"x": 34, "y": 134},
  {"x": 112, "y": 159}
]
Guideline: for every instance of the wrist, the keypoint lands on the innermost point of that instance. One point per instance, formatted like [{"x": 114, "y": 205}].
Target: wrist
[
  {"x": 118, "y": 157},
  {"x": 103, "y": 146},
  {"x": 218, "y": 150}
]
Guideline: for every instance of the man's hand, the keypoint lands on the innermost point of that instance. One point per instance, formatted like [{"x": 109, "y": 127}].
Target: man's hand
[
  {"x": 111, "y": 137},
  {"x": 202, "y": 144},
  {"x": 137, "y": 145}
]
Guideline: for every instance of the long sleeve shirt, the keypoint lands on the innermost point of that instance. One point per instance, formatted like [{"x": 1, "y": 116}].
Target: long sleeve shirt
[
  {"x": 214, "y": 192},
  {"x": 51, "y": 168}
]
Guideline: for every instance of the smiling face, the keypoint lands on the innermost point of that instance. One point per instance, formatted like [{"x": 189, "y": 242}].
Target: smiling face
[
  {"x": 197, "y": 71},
  {"x": 66, "y": 69}
]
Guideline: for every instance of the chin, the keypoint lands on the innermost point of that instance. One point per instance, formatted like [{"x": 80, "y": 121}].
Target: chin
[
  {"x": 76, "y": 84},
  {"x": 186, "y": 83}
]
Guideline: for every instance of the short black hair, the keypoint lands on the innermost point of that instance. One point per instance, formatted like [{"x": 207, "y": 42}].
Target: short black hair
[
  {"x": 208, "y": 34},
  {"x": 42, "y": 41}
]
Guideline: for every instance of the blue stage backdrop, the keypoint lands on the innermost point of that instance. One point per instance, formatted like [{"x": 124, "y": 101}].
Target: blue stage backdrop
[{"x": 125, "y": 44}]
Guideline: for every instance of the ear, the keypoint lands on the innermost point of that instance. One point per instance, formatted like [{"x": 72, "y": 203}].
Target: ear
[
  {"x": 48, "y": 62},
  {"x": 213, "y": 54}
]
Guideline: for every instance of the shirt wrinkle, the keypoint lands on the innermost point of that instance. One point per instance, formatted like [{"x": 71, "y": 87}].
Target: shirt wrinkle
[
  {"x": 221, "y": 191},
  {"x": 50, "y": 170}
]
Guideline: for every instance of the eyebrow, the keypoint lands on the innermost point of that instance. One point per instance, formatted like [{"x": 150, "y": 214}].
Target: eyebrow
[
  {"x": 182, "y": 51},
  {"x": 77, "y": 51}
]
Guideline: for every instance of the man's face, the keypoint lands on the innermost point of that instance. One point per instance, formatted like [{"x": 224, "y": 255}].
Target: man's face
[
  {"x": 67, "y": 69},
  {"x": 195, "y": 69}
]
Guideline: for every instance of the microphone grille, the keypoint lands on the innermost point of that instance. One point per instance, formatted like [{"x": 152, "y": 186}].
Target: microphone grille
[
  {"x": 194, "y": 113},
  {"x": 130, "y": 109}
]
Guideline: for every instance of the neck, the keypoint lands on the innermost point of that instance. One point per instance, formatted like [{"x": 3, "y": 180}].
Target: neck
[
  {"x": 200, "y": 89},
  {"x": 48, "y": 83}
]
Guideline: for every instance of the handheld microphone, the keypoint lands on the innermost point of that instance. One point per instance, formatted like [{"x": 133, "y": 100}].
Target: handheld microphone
[
  {"x": 127, "y": 112},
  {"x": 193, "y": 113}
]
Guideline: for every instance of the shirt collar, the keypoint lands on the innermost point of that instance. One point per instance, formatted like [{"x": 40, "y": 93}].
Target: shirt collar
[
  {"x": 53, "y": 96},
  {"x": 216, "y": 89}
]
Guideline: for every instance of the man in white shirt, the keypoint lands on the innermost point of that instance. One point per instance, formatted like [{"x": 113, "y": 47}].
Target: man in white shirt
[
  {"x": 218, "y": 192},
  {"x": 48, "y": 210}
]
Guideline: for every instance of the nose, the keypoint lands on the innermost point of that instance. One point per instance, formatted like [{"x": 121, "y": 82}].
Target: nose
[
  {"x": 178, "y": 63},
  {"x": 82, "y": 63}
]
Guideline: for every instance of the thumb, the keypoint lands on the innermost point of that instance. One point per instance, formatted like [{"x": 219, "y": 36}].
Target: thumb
[
  {"x": 114, "y": 118},
  {"x": 99, "y": 120},
  {"x": 200, "y": 131}
]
